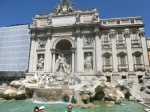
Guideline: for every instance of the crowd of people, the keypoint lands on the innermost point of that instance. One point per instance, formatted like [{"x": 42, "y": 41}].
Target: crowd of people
[{"x": 42, "y": 109}]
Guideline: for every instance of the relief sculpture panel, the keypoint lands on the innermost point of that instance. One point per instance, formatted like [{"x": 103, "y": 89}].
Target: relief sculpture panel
[
  {"x": 41, "y": 43},
  {"x": 88, "y": 40}
]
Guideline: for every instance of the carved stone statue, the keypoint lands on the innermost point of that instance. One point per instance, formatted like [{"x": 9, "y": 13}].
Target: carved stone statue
[
  {"x": 64, "y": 1},
  {"x": 42, "y": 43},
  {"x": 95, "y": 18},
  {"x": 88, "y": 62},
  {"x": 58, "y": 9},
  {"x": 49, "y": 21},
  {"x": 78, "y": 18},
  {"x": 70, "y": 8},
  {"x": 34, "y": 22},
  {"x": 64, "y": 7},
  {"x": 62, "y": 66},
  {"x": 40, "y": 63},
  {"x": 147, "y": 73}
]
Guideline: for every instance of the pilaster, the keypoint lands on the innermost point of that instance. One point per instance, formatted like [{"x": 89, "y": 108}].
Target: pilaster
[
  {"x": 144, "y": 47},
  {"x": 114, "y": 52},
  {"x": 129, "y": 50},
  {"x": 35, "y": 57},
  {"x": 79, "y": 51},
  {"x": 48, "y": 56},
  {"x": 32, "y": 52},
  {"x": 73, "y": 60},
  {"x": 53, "y": 68},
  {"x": 98, "y": 50}
]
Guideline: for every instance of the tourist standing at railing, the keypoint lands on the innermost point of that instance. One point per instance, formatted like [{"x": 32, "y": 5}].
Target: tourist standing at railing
[{"x": 69, "y": 109}]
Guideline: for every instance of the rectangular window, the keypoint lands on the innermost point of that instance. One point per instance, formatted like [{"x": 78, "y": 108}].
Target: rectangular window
[
  {"x": 122, "y": 60},
  {"x": 105, "y": 38},
  {"x": 120, "y": 37},
  {"x": 138, "y": 59},
  {"x": 107, "y": 60}
]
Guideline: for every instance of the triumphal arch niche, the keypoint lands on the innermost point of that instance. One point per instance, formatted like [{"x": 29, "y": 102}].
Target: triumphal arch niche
[
  {"x": 78, "y": 41},
  {"x": 63, "y": 49},
  {"x": 57, "y": 43}
]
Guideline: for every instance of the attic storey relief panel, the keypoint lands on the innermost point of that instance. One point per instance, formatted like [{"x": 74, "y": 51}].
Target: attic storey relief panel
[
  {"x": 87, "y": 40},
  {"x": 40, "y": 62},
  {"x": 88, "y": 61}
]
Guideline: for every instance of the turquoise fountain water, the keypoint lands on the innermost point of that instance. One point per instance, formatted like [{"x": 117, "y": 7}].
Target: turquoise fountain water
[{"x": 28, "y": 106}]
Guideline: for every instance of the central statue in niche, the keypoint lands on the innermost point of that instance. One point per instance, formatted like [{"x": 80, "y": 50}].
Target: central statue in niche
[{"x": 62, "y": 66}]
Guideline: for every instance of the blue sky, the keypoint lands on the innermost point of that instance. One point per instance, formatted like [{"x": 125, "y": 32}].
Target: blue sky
[{"x": 22, "y": 11}]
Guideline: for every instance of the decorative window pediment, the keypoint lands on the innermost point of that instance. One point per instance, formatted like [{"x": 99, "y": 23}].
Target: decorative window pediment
[
  {"x": 137, "y": 53},
  {"x": 107, "y": 54},
  {"x": 122, "y": 54}
]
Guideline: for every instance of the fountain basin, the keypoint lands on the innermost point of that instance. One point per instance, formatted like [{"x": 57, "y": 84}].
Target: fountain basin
[{"x": 28, "y": 106}]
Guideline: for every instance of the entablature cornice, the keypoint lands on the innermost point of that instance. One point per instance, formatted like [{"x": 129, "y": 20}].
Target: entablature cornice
[
  {"x": 40, "y": 50},
  {"x": 57, "y": 51},
  {"x": 33, "y": 28},
  {"x": 122, "y": 26}
]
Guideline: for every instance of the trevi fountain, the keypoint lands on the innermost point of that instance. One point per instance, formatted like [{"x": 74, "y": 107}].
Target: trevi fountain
[{"x": 65, "y": 82}]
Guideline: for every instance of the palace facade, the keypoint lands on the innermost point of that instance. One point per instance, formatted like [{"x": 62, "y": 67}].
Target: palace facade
[{"x": 87, "y": 44}]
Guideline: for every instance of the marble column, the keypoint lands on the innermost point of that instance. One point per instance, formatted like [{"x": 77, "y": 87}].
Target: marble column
[
  {"x": 48, "y": 55},
  {"x": 98, "y": 50},
  {"x": 53, "y": 62},
  {"x": 72, "y": 61},
  {"x": 35, "y": 57},
  {"x": 32, "y": 53},
  {"x": 144, "y": 47},
  {"x": 114, "y": 51},
  {"x": 79, "y": 52},
  {"x": 129, "y": 50}
]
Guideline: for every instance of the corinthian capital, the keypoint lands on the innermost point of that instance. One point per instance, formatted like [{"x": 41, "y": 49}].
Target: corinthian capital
[
  {"x": 112, "y": 34},
  {"x": 127, "y": 34},
  {"x": 78, "y": 33},
  {"x": 33, "y": 36},
  {"x": 141, "y": 33},
  {"x": 97, "y": 32},
  {"x": 48, "y": 34}
]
